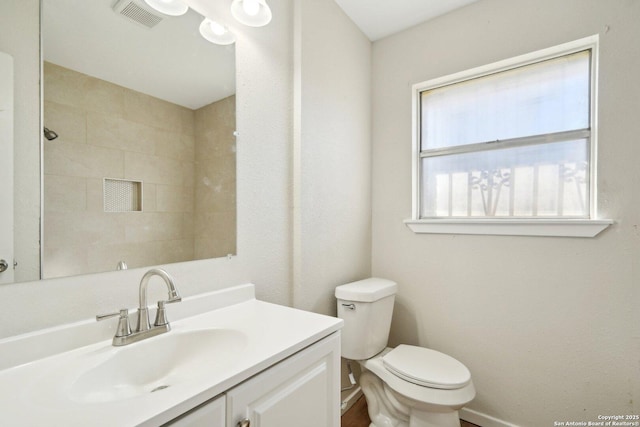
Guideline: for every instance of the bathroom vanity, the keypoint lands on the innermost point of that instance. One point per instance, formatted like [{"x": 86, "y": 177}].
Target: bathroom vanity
[{"x": 229, "y": 361}]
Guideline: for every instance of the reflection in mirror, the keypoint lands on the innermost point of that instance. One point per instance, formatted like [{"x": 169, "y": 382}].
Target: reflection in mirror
[{"x": 143, "y": 168}]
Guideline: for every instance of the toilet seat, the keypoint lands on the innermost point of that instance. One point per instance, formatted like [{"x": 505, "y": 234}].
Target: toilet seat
[
  {"x": 424, "y": 396},
  {"x": 426, "y": 367}
]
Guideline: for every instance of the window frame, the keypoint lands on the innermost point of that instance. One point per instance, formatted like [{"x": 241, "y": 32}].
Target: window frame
[{"x": 534, "y": 226}]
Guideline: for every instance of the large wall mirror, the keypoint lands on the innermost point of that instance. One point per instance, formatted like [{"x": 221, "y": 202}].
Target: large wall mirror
[{"x": 139, "y": 148}]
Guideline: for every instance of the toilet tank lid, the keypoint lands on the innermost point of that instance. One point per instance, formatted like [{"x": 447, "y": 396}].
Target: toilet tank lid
[{"x": 367, "y": 290}]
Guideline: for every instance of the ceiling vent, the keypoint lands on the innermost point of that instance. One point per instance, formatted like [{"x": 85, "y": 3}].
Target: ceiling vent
[{"x": 137, "y": 11}]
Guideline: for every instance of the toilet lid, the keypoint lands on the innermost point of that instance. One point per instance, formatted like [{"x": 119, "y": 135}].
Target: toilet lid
[{"x": 426, "y": 367}]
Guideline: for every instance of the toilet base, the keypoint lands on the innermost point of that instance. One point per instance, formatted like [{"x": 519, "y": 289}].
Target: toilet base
[{"x": 389, "y": 409}]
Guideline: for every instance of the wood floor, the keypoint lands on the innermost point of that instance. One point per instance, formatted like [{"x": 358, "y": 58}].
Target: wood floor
[{"x": 357, "y": 416}]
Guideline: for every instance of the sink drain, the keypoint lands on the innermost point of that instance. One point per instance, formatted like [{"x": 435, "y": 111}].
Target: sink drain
[{"x": 160, "y": 387}]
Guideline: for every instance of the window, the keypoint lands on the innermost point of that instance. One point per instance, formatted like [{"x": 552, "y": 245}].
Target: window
[{"x": 509, "y": 141}]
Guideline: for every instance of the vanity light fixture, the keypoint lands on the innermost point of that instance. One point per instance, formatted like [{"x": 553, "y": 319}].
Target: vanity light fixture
[
  {"x": 169, "y": 7},
  {"x": 254, "y": 13},
  {"x": 215, "y": 32}
]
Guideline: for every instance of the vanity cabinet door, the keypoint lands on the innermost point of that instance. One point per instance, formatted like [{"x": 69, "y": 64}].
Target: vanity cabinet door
[
  {"x": 303, "y": 390},
  {"x": 209, "y": 414}
]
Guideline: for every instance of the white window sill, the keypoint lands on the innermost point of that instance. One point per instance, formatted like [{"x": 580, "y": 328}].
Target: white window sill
[{"x": 511, "y": 227}]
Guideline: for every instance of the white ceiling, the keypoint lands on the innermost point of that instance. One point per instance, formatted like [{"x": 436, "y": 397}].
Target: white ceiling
[
  {"x": 170, "y": 61},
  {"x": 380, "y": 18}
]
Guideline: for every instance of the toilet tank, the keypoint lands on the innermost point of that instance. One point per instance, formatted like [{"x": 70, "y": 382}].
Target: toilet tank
[{"x": 366, "y": 306}]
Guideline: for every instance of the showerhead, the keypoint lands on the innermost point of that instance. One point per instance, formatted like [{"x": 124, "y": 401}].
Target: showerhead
[{"x": 49, "y": 134}]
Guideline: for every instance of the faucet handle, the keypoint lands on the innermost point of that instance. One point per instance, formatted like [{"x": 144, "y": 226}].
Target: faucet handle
[
  {"x": 161, "y": 313},
  {"x": 123, "y": 322},
  {"x": 123, "y": 312}
]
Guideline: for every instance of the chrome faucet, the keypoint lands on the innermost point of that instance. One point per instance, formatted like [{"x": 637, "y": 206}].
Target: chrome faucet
[
  {"x": 144, "y": 330},
  {"x": 143, "y": 312}
]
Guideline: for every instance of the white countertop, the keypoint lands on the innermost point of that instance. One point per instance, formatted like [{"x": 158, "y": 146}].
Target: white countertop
[{"x": 35, "y": 393}]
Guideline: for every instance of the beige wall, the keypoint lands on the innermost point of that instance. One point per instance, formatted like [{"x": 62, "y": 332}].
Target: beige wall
[
  {"x": 549, "y": 327},
  {"x": 215, "y": 180},
  {"x": 332, "y": 155}
]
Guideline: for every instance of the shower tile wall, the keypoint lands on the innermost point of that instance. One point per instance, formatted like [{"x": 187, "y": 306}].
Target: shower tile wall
[
  {"x": 215, "y": 186},
  {"x": 107, "y": 131}
]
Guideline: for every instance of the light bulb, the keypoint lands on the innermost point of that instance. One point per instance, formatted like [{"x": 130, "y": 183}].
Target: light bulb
[
  {"x": 216, "y": 32},
  {"x": 217, "y": 29},
  {"x": 251, "y": 7},
  {"x": 254, "y": 13}
]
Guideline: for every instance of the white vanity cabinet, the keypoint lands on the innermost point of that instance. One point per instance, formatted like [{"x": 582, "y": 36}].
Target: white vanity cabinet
[
  {"x": 302, "y": 390},
  {"x": 210, "y": 414}
]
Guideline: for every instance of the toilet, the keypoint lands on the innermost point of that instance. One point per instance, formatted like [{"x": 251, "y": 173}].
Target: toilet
[{"x": 406, "y": 386}]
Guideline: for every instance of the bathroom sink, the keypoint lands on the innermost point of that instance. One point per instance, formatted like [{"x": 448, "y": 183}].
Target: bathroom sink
[
  {"x": 217, "y": 341},
  {"x": 157, "y": 364}
]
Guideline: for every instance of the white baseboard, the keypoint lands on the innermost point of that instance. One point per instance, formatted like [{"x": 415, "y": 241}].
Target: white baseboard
[
  {"x": 481, "y": 419},
  {"x": 348, "y": 401}
]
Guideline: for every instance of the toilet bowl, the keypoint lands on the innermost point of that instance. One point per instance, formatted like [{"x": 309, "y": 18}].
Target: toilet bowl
[{"x": 406, "y": 386}]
